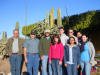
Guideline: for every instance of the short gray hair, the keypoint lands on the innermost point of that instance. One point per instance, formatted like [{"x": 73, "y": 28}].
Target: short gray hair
[{"x": 15, "y": 30}]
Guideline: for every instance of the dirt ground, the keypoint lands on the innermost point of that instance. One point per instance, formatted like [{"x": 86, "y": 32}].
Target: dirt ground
[{"x": 5, "y": 67}]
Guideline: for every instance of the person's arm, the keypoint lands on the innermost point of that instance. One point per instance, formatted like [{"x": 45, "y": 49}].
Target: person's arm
[
  {"x": 66, "y": 40},
  {"x": 25, "y": 55},
  {"x": 76, "y": 39},
  {"x": 78, "y": 56},
  {"x": 50, "y": 54},
  {"x": 93, "y": 52},
  {"x": 25, "y": 51},
  {"x": 40, "y": 48},
  {"x": 61, "y": 53},
  {"x": 65, "y": 56}
]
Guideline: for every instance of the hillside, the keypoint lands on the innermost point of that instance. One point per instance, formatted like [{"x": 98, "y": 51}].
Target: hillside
[{"x": 87, "y": 22}]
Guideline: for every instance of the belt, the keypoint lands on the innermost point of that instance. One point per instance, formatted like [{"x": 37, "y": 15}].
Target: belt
[
  {"x": 14, "y": 53},
  {"x": 33, "y": 53}
]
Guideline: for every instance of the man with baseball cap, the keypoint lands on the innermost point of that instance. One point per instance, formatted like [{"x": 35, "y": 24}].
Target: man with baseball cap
[
  {"x": 31, "y": 53},
  {"x": 44, "y": 46}
]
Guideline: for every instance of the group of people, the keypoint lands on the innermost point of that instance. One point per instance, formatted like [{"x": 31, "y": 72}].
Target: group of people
[{"x": 58, "y": 53}]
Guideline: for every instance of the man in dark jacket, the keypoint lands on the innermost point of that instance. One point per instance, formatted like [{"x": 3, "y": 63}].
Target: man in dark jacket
[{"x": 44, "y": 47}]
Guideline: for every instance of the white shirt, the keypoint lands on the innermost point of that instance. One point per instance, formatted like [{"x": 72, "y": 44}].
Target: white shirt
[
  {"x": 15, "y": 47},
  {"x": 70, "y": 55},
  {"x": 64, "y": 39}
]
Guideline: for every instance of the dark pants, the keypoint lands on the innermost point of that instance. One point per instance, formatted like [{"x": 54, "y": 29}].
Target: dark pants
[
  {"x": 71, "y": 69},
  {"x": 33, "y": 63},
  {"x": 15, "y": 64},
  {"x": 57, "y": 69},
  {"x": 64, "y": 70}
]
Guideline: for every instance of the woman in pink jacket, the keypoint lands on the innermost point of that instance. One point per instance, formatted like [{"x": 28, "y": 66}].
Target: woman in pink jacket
[{"x": 56, "y": 54}]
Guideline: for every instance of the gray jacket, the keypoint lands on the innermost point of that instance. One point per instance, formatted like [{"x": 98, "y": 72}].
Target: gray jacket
[{"x": 91, "y": 53}]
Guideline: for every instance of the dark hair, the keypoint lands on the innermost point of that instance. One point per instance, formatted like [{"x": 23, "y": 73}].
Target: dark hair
[
  {"x": 56, "y": 36},
  {"x": 83, "y": 43},
  {"x": 61, "y": 28},
  {"x": 69, "y": 40},
  {"x": 85, "y": 35},
  {"x": 79, "y": 32},
  {"x": 71, "y": 29}
]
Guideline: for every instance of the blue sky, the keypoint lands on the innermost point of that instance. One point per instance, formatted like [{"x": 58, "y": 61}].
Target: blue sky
[{"x": 14, "y": 10}]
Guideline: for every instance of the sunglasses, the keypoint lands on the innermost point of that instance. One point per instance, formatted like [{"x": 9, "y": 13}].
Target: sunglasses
[{"x": 70, "y": 32}]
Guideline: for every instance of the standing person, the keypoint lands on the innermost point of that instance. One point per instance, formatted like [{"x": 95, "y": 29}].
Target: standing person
[
  {"x": 87, "y": 55},
  {"x": 71, "y": 34},
  {"x": 63, "y": 36},
  {"x": 71, "y": 57},
  {"x": 31, "y": 53},
  {"x": 79, "y": 36},
  {"x": 15, "y": 50},
  {"x": 56, "y": 54},
  {"x": 44, "y": 47}
]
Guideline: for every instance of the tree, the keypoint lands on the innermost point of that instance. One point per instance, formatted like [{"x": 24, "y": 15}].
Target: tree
[
  {"x": 59, "y": 19},
  {"x": 45, "y": 22},
  {"x": 48, "y": 17},
  {"x": 52, "y": 17},
  {"x": 52, "y": 10},
  {"x": 3, "y": 35},
  {"x": 17, "y": 25}
]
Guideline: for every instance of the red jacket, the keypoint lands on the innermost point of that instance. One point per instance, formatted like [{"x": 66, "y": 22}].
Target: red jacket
[{"x": 56, "y": 51}]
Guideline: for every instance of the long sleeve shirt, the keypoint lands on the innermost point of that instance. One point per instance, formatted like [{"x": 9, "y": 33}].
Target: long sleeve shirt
[
  {"x": 56, "y": 52},
  {"x": 64, "y": 38}
]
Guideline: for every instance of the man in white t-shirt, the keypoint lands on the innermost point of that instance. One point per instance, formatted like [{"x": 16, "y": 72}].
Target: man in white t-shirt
[
  {"x": 64, "y": 39},
  {"x": 71, "y": 34},
  {"x": 63, "y": 36}
]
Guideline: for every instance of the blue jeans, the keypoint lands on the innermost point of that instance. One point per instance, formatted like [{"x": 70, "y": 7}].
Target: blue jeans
[
  {"x": 57, "y": 69},
  {"x": 50, "y": 69},
  {"x": 33, "y": 63},
  {"x": 44, "y": 66},
  {"x": 15, "y": 64},
  {"x": 85, "y": 67},
  {"x": 71, "y": 69}
]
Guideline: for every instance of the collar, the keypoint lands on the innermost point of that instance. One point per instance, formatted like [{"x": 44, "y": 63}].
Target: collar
[
  {"x": 72, "y": 46},
  {"x": 13, "y": 38},
  {"x": 32, "y": 39},
  {"x": 63, "y": 34}
]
